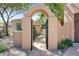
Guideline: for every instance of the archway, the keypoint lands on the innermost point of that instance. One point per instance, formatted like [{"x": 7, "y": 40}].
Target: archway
[
  {"x": 39, "y": 24},
  {"x": 52, "y": 27}
]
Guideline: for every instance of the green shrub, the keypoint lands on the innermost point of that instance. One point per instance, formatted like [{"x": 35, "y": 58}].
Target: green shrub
[
  {"x": 65, "y": 44},
  {"x": 3, "y": 47}
]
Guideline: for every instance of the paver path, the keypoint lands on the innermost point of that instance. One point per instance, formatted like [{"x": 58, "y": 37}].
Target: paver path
[{"x": 72, "y": 51}]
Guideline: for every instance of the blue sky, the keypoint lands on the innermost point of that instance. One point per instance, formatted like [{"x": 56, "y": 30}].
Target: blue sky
[{"x": 34, "y": 17}]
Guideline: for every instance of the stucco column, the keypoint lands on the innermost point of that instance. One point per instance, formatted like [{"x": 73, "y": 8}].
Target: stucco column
[
  {"x": 72, "y": 29},
  {"x": 26, "y": 33},
  {"x": 52, "y": 33}
]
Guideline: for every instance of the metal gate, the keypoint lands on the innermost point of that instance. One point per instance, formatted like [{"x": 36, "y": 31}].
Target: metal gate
[{"x": 46, "y": 27}]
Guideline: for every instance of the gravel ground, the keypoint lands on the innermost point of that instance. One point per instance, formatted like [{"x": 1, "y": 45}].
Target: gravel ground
[
  {"x": 12, "y": 50},
  {"x": 39, "y": 49}
]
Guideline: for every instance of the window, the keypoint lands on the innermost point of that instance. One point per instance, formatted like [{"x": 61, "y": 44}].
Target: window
[{"x": 18, "y": 26}]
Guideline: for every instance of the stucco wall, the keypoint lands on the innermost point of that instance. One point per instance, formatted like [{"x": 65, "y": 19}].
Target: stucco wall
[
  {"x": 69, "y": 24},
  {"x": 55, "y": 30},
  {"x": 26, "y": 33},
  {"x": 17, "y": 38},
  {"x": 60, "y": 32}
]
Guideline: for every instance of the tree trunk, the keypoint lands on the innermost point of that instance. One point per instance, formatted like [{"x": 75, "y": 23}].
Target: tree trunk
[{"x": 6, "y": 29}]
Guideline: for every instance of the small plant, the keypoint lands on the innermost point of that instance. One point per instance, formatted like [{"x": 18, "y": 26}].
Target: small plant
[
  {"x": 3, "y": 47},
  {"x": 65, "y": 44}
]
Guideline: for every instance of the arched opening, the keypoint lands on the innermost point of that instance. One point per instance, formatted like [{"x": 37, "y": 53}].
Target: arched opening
[
  {"x": 39, "y": 24},
  {"x": 27, "y": 28}
]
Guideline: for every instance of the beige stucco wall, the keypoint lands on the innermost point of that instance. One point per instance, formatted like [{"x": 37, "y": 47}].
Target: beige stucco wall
[
  {"x": 39, "y": 8},
  {"x": 17, "y": 35},
  {"x": 26, "y": 33},
  {"x": 68, "y": 24},
  {"x": 55, "y": 30},
  {"x": 52, "y": 33},
  {"x": 60, "y": 32},
  {"x": 52, "y": 28},
  {"x": 17, "y": 38}
]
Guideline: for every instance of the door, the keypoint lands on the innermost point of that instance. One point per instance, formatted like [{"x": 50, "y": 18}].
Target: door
[{"x": 76, "y": 31}]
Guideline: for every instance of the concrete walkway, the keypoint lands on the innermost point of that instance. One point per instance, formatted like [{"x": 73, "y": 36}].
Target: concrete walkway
[
  {"x": 72, "y": 51},
  {"x": 39, "y": 47},
  {"x": 40, "y": 52}
]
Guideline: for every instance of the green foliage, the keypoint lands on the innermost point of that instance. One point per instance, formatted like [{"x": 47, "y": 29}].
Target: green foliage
[
  {"x": 34, "y": 33},
  {"x": 15, "y": 6},
  {"x": 3, "y": 47},
  {"x": 58, "y": 9},
  {"x": 65, "y": 43},
  {"x": 42, "y": 19}
]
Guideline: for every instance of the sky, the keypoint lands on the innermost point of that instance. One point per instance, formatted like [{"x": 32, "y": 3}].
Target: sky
[{"x": 19, "y": 16}]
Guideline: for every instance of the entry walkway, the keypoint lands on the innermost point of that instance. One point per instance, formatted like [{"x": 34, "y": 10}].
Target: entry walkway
[
  {"x": 40, "y": 52},
  {"x": 39, "y": 47},
  {"x": 72, "y": 51}
]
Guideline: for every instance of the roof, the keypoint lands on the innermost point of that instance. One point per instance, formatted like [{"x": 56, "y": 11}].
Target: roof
[{"x": 74, "y": 7}]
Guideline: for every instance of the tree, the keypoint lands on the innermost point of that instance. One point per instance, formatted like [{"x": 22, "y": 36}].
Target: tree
[
  {"x": 42, "y": 19},
  {"x": 10, "y": 10},
  {"x": 58, "y": 9}
]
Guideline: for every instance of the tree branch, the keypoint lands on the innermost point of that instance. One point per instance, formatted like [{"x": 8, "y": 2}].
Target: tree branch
[
  {"x": 5, "y": 9},
  {"x": 2, "y": 16},
  {"x": 11, "y": 12},
  {"x": 16, "y": 14}
]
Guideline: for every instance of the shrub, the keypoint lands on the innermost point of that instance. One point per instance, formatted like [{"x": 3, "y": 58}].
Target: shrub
[
  {"x": 3, "y": 47},
  {"x": 65, "y": 44}
]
